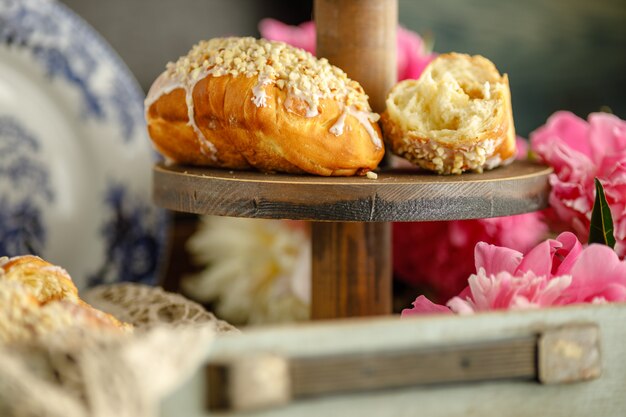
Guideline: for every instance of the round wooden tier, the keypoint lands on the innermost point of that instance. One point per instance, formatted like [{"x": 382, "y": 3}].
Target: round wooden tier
[
  {"x": 351, "y": 243},
  {"x": 396, "y": 195}
]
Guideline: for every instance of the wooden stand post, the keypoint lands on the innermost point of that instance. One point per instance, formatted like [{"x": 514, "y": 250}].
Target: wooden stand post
[
  {"x": 352, "y": 261},
  {"x": 351, "y": 269},
  {"x": 359, "y": 36}
]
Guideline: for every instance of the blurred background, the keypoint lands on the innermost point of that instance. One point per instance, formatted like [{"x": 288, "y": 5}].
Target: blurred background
[{"x": 560, "y": 55}]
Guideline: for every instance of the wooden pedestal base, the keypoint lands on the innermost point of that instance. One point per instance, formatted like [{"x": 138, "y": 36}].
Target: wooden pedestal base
[
  {"x": 351, "y": 269},
  {"x": 351, "y": 261}
]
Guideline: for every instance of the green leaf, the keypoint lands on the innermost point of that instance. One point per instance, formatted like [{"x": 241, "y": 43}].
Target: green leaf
[{"x": 601, "y": 230}]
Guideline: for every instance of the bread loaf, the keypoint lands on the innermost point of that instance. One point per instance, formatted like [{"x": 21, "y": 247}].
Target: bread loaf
[
  {"x": 456, "y": 117},
  {"x": 45, "y": 281},
  {"x": 242, "y": 103},
  {"x": 38, "y": 298}
]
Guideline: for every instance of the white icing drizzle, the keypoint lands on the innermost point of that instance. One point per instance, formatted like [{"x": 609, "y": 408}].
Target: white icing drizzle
[
  {"x": 310, "y": 100},
  {"x": 164, "y": 84},
  {"x": 259, "y": 96},
  {"x": 492, "y": 162},
  {"x": 366, "y": 119},
  {"x": 496, "y": 161},
  {"x": 206, "y": 146},
  {"x": 337, "y": 128},
  {"x": 311, "y": 111},
  {"x": 305, "y": 78}
]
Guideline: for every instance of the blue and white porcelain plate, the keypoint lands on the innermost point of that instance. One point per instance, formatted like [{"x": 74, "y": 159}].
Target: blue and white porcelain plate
[{"x": 75, "y": 158}]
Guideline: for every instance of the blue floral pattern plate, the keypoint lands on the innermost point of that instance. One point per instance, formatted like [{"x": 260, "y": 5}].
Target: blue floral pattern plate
[{"x": 75, "y": 159}]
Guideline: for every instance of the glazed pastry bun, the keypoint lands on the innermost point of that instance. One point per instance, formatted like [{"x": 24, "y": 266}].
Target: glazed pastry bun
[
  {"x": 456, "y": 117},
  {"x": 45, "y": 281},
  {"x": 241, "y": 103},
  {"x": 38, "y": 298}
]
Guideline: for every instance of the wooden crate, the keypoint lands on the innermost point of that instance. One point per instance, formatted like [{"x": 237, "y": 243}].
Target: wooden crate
[{"x": 491, "y": 394}]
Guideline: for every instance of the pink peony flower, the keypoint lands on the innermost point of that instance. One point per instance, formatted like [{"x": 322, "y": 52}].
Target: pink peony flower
[
  {"x": 579, "y": 151},
  {"x": 439, "y": 255},
  {"x": 597, "y": 276},
  {"x": 522, "y": 147},
  {"x": 412, "y": 53},
  {"x": 301, "y": 36},
  {"x": 555, "y": 272},
  {"x": 413, "y": 56},
  {"x": 423, "y": 305}
]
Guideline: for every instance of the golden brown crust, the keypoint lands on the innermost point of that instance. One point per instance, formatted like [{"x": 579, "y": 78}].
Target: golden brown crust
[
  {"x": 39, "y": 298},
  {"x": 276, "y": 136},
  {"x": 167, "y": 118},
  {"x": 404, "y": 143},
  {"x": 491, "y": 145},
  {"x": 271, "y": 138},
  {"x": 45, "y": 281},
  {"x": 508, "y": 148}
]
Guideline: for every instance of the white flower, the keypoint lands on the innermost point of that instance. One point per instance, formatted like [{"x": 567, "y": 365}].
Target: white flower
[{"x": 257, "y": 271}]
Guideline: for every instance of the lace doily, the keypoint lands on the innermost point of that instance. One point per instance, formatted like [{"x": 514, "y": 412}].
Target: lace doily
[
  {"x": 90, "y": 374},
  {"x": 146, "y": 307}
]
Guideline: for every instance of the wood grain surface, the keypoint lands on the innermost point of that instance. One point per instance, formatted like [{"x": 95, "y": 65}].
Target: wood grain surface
[
  {"x": 351, "y": 269},
  {"x": 513, "y": 359},
  {"x": 352, "y": 262},
  {"x": 264, "y": 380},
  {"x": 397, "y": 195},
  {"x": 601, "y": 397},
  {"x": 359, "y": 36}
]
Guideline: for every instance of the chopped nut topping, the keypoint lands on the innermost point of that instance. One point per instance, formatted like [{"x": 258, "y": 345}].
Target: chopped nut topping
[
  {"x": 287, "y": 67},
  {"x": 447, "y": 161}
]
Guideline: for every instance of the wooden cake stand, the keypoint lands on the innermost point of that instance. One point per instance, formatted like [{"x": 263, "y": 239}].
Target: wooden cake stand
[{"x": 351, "y": 236}]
